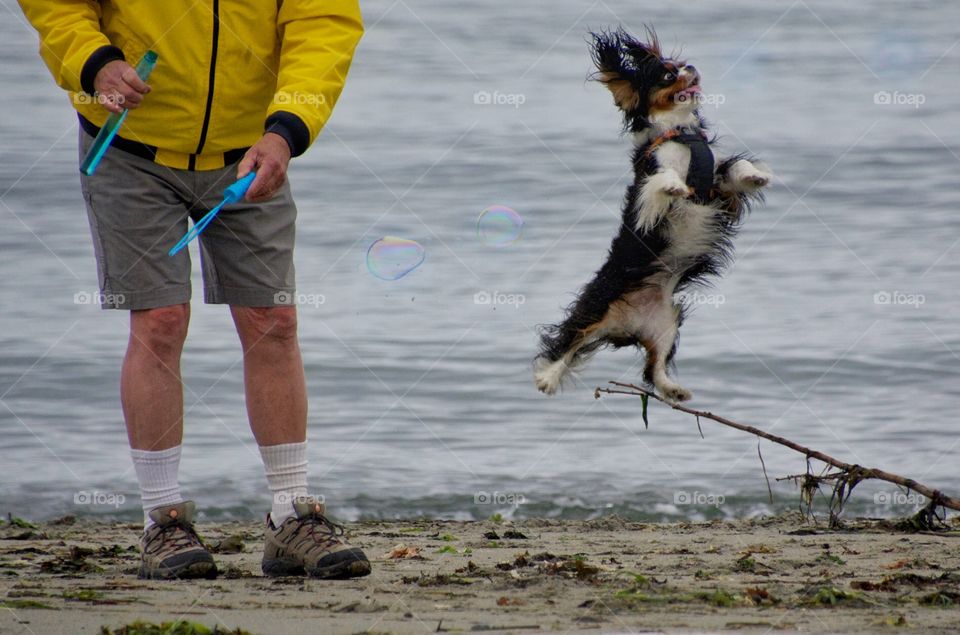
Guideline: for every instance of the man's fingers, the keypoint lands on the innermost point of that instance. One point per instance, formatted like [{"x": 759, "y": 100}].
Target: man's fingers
[
  {"x": 269, "y": 158},
  {"x": 130, "y": 98},
  {"x": 260, "y": 185},
  {"x": 269, "y": 179},
  {"x": 111, "y": 105},
  {"x": 133, "y": 80},
  {"x": 118, "y": 86},
  {"x": 247, "y": 164}
]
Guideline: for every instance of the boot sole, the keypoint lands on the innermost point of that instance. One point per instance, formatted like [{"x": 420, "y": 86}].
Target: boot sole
[
  {"x": 191, "y": 571},
  {"x": 341, "y": 571}
]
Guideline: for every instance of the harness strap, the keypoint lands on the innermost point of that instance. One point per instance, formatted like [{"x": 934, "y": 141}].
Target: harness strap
[{"x": 700, "y": 168}]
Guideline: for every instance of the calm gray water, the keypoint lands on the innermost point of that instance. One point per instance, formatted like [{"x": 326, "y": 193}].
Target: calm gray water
[{"x": 421, "y": 399}]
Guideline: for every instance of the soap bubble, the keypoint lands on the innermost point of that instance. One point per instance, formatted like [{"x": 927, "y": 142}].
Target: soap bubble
[
  {"x": 391, "y": 258},
  {"x": 498, "y": 226}
]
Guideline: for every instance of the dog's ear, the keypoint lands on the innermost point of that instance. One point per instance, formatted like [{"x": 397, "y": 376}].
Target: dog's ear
[
  {"x": 642, "y": 52},
  {"x": 613, "y": 69}
]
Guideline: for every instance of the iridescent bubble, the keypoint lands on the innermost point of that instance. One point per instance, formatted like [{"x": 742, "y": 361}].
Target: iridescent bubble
[
  {"x": 898, "y": 52},
  {"x": 498, "y": 226},
  {"x": 391, "y": 258}
]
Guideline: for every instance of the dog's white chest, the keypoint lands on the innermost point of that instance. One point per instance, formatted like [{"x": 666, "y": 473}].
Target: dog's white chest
[{"x": 674, "y": 156}]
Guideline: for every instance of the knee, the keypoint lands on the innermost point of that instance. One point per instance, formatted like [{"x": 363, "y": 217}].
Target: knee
[
  {"x": 162, "y": 330},
  {"x": 277, "y": 324}
]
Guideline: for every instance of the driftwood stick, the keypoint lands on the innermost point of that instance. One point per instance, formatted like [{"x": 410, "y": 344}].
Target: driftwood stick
[{"x": 936, "y": 497}]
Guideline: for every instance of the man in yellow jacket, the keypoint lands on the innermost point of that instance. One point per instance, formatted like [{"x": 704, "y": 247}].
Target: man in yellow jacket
[{"x": 239, "y": 86}]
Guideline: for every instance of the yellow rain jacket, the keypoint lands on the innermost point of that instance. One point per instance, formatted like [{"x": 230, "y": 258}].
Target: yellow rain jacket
[{"x": 227, "y": 70}]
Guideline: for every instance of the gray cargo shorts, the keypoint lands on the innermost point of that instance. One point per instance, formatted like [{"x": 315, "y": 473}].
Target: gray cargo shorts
[{"x": 138, "y": 210}]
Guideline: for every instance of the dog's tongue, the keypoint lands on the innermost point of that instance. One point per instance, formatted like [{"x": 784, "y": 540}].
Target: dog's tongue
[{"x": 689, "y": 90}]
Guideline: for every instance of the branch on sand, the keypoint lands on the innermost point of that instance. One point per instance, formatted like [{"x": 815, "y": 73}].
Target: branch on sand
[{"x": 844, "y": 479}]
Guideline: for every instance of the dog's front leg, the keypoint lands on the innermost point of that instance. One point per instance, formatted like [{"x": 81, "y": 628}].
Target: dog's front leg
[
  {"x": 658, "y": 193},
  {"x": 665, "y": 186},
  {"x": 738, "y": 175}
]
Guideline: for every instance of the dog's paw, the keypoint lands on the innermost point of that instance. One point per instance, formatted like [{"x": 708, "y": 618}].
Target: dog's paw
[
  {"x": 657, "y": 195},
  {"x": 756, "y": 180},
  {"x": 748, "y": 176},
  {"x": 546, "y": 387},
  {"x": 548, "y": 375},
  {"x": 672, "y": 185},
  {"x": 674, "y": 392}
]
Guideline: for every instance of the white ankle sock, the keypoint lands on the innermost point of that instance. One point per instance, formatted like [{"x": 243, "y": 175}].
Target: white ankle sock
[
  {"x": 286, "y": 469},
  {"x": 157, "y": 474}
]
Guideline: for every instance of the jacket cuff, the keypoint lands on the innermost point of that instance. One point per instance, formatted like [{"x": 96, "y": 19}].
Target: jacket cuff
[
  {"x": 292, "y": 129},
  {"x": 97, "y": 60}
]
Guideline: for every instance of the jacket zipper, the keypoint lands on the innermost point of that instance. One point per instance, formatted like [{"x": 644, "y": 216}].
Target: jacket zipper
[{"x": 210, "y": 85}]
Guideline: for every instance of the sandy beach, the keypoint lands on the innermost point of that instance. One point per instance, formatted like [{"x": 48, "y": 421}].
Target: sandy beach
[{"x": 605, "y": 576}]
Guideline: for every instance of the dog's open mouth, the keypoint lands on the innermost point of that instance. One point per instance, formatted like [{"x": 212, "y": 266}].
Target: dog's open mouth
[{"x": 689, "y": 91}]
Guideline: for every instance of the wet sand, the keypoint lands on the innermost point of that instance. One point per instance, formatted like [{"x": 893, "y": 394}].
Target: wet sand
[{"x": 606, "y": 576}]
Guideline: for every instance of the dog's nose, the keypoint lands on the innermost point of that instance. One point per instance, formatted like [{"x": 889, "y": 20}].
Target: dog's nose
[{"x": 690, "y": 68}]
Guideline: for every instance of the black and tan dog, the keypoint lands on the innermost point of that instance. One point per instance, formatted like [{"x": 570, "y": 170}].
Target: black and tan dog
[{"x": 679, "y": 217}]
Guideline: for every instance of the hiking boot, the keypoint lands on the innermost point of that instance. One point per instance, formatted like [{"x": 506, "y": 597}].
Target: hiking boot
[
  {"x": 309, "y": 542},
  {"x": 171, "y": 549}
]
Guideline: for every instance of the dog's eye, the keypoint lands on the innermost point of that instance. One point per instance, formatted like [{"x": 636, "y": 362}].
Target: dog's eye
[{"x": 668, "y": 78}]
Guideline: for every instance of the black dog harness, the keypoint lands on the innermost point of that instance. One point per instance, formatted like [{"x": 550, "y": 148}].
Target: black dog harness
[{"x": 700, "y": 169}]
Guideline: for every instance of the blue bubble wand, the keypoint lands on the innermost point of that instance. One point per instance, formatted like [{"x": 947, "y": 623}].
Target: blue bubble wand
[
  {"x": 109, "y": 130},
  {"x": 232, "y": 194}
]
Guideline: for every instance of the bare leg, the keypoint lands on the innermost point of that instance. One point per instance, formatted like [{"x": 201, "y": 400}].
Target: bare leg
[
  {"x": 151, "y": 390},
  {"x": 272, "y": 373}
]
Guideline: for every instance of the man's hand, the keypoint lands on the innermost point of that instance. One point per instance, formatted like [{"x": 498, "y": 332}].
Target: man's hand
[
  {"x": 118, "y": 86},
  {"x": 269, "y": 157}
]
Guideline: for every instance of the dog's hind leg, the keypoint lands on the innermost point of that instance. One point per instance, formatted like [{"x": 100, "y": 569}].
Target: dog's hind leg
[
  {"x": 550, "y": 370},
  {"x": 568, "y": 344},
  {"x": 659, "y": 338}
]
